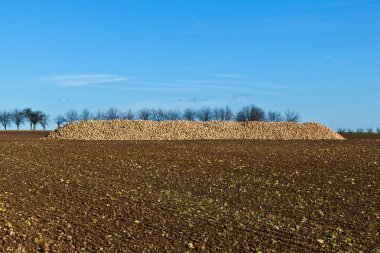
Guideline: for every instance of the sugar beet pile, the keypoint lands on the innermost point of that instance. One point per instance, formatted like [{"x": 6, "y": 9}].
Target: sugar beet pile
[{"x": 191, "y": 130}]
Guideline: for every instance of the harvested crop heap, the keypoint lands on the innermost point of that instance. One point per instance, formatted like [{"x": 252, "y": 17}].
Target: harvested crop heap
[{"x": 191, "y": 130}]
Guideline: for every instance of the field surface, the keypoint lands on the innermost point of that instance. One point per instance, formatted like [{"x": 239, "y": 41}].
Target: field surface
[{"x": 195, "y": 196}]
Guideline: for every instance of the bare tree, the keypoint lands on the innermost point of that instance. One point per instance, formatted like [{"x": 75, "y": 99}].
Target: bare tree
[
  {"x": 341, "y": 130},
  {"x": 71, "y": 116},
  {"x": 242, "y": 115},
  {"x": 378, "y": 130},
  {"x": 44, "y": 120},
  {"x": 128, "y": 115},
  {"x": 173, "y": 115},
  {"x": 145, "y": 114},
  {"x": 5, "y": 119},
  {"x": 35, "y": 118},
  {"x": 369, "y": 130},
  {"x": 204, "y": 114},
  {"x": 99, "y": 115},
  {"x": 360, "y": 130},
  {"x": 189, "y": 114},
  {"x": 250, "y": 113},
  {"x": 158, "y": 114},
  {"x": 274, "y": 116},
  {"x": 256, "y": 113},
  {"x": 291, "y": 116},
  {"x": 218, "y": 113},
  {"x": 112, "y": 113},
  {"x": 29, "y": 114},
  {"x": 228, "y": 113},
  {"x": 18, "y": 117},
  {"x": 59, "y": 120},
  {"x": 85, "y": 115},
  {"x": 223, "y": 113}
]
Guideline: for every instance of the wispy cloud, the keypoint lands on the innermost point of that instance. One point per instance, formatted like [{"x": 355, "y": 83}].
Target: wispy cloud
[
  {"x": 85, "y": 79},
  {"x": 268, "y": 93},
  {"x": 237, "y": 89},
  {"x": 224, "y": 75},
  {"x": 277, "y": 86},
  {"x": 240, "y": 96},
  {"x": 337, "y": 4},
  {"x": 63, "y": 100},
  {"x": 192, "y": 100},
  {"x": 334, "y": 59}
]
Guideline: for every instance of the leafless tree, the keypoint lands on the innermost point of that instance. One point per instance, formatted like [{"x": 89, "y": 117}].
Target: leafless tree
[
  {"x": 223, "y": 113},
  {"x": 256, "y": 113},
  {"x": 250, "y": 113},
  {"x": 369, "y": 130},
  {"x": 85, "y": 115},
  {"x": 158, "y": 114},
  {"x": 378, "y": 130},
  {"x": 44, "y": 120},
  {"x": 242, "y": 115},
  {"x": 128, "y": 115},
  {"x": 5, "y": 119},
  {"x": 341, "y": 130},
  {"x": 189, "y": 114},
  {"x": 173, "y": 115},
  {"x": 18, "y": 117},
  {"x": 204, "y": 114},
  {"x": 29, "y": 114},
  {"x": 360, "y": 130},
  {"x": 99, "y": 115},
  {"x": 71, "y": 116},
  {"x": 145, "y": 114},
  {"x": 59, "y": 120},
  {"x": 274, "y": 116},
  {"x": 218, "y": 113},
  {"x": 33, "y": 117},
  {"x": 291, "y": 116},
  {"x": 228, "y": 113},
  {"x": 112, "y": 113}
]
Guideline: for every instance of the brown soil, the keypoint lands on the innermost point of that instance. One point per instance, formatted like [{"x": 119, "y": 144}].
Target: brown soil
[
  {"x": 352, "y": 136},
  {"x": 22, "y": 135},
  {"x": 191, "y": 130},
  {"x": 178, "y": 196}
]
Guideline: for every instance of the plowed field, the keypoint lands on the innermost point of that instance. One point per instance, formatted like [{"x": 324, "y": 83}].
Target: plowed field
[{"x": 178, "y": 196}]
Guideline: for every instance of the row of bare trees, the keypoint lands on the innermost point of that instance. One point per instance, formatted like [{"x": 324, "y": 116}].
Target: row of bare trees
[
  {"x": 247, "y": 113},
  {"x": 19, "y": 117},
  {"x": 359, "y": 130}
]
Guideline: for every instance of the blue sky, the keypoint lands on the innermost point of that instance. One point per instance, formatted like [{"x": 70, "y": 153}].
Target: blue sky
[{"x": 320, "y": 58}]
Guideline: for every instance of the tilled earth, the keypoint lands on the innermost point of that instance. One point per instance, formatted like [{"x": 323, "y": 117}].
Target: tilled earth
[{"x": 178, "y": 196}]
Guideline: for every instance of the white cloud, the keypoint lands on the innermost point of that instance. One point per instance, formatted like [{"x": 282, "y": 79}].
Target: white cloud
[
  {"x": 85, "y": 79},
  {"x": 63, "y": 100}
]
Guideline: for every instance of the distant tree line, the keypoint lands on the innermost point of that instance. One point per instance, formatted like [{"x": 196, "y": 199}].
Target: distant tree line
[
  {"x": 247, "y": 113},
  {"x": 359, "y": 130}
]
